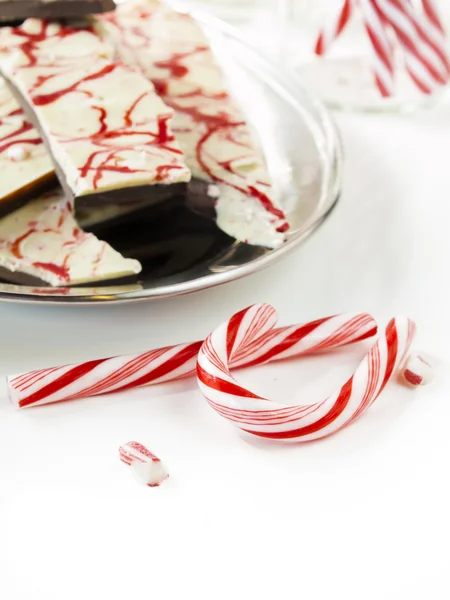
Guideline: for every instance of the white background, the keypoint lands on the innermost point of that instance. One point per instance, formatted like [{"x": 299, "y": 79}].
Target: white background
[{"x": 362, "y": 515}]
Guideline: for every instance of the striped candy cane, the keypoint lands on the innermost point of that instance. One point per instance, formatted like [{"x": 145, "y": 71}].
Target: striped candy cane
[
  {"x": 121, "y": 373},
  {"x": 421, "y": 36},
  {"x": 265, "y": 418},
  {"x": 432, "y": 42},
  {"x": 421, "y": 61},
  {"x": 432, "y": 13},
  {"x": 334, "y": 27},
  {"x": 431, "y": 28},
  {"x": 383, "y": 65}
]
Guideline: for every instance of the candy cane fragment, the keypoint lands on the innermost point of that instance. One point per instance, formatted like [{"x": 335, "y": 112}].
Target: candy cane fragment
[
  {"x": 145, "y": 466},
  {"x": 417, "y": 371}
]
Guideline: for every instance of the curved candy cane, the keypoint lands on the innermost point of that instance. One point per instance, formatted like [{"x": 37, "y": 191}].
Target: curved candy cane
[
  {"x": 265, "y": 418},
  {"x": 121, "y": 373}
]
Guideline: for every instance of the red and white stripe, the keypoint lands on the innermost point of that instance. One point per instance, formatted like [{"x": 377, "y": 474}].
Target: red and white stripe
[
  {"x": 431, "y": 28},
  {"x": 334, "y": 27},
  {"x": 432, "y": 40},
  {"x": 432, "y": 14},
  {"x": 266, "y": 418},
  {"x": 145, "y": 466},
  {"x": 423, "y": 62},
  {"x": 383, "y": 51},
  {"x": 103, "y": 376}
]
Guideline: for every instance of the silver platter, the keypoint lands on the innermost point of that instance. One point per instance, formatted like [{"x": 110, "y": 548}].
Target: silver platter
[{"x": 304, "y": 156}]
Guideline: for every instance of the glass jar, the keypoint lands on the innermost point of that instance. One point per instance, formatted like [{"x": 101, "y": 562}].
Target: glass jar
[
  {"x": 263, "y": 22},
  {"x": 369, "y": 65}
]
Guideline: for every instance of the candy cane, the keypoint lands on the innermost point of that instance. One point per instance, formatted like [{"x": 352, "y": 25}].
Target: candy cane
[
  {"x": 266, "y": 418},
  {"x": 433, "y": 42},
  {"x": 421, "y": 36},
  {"x": 431, "y": 30},
  {"x": 432, "y": 14},
  {"x": 334, "y": 27},
  {"x": 383, "y": 66},
  {"x": 422, "y": 62},
  {"x": 174, "y": 362}
]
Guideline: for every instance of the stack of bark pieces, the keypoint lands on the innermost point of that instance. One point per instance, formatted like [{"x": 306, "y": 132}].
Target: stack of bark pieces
[{"x": 108, "y": 111}]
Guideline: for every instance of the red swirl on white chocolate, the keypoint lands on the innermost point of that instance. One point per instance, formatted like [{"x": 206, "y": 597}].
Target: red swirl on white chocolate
[
  {"x": 105, "y": 125},
  {"x": 42, "y": 240}
]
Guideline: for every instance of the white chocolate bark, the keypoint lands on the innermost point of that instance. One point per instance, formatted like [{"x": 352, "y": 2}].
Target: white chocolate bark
[
  {"x": 104, "y": 124},
  {"x": 43, "y": 240},
  {"x": 173, "y": 52},
  {"x": 24, "y": 161}
]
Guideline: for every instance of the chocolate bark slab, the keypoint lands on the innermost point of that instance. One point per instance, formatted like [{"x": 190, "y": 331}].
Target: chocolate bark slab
[
  {"x": 18, "y": 10},
  {"x": 18, "y": 189},
  {"x": 42, "y": 241},
  {"x": 26, "y": 169},
  {"x": 107, "y": 131}
]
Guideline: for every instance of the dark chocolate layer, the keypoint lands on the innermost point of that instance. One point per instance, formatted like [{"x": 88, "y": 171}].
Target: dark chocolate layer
[
  {"x": 197, "y": 199},
  {"x": 16, "y": 10},
  {"x": 137, "y": 194},
  {"x": 26, "y": 193},
  {"x": 167, "y": 238}
]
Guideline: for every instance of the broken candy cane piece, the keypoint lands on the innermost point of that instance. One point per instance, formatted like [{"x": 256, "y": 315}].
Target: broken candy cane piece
[
  {"x": 146, "y": 467},
  {"x": 417, "y": 371}
]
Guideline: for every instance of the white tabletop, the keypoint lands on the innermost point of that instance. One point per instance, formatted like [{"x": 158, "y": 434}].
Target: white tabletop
[{"x": 361, "y": 515}]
